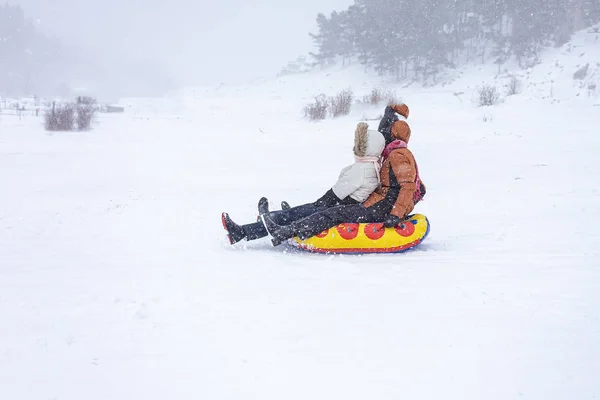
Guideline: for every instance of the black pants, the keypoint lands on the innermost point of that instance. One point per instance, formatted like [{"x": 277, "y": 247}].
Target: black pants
[
  {"x": 318, "y": 222},
  {"x": 281, "y": 217}
]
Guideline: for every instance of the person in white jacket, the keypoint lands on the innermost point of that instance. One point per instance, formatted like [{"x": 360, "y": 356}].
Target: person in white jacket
[
  {"x": 361, "y": 178},
  {"x": 355, "y": 184}
]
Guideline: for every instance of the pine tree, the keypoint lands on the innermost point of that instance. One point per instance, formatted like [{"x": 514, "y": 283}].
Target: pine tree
[
  {"x": 417, "y": 39},
  {"x": 590, "y": 12},
  {"x": 346, "y": 36},
  {"x": 361, "y": 24},
  {"x": 325, "y": 51}
]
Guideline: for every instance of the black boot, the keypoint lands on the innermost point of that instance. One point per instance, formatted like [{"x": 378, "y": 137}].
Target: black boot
[
  {"x": 278, "y": 233},
  {"x": 235, "y": 232},
  {"x": 263, "y": 206},
  {"x": 303, "y": 228}
]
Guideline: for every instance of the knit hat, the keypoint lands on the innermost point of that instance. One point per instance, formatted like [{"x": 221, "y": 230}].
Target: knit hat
[
  {"x": 400, "y": 130},
  {"x": 367, "y": 142}
]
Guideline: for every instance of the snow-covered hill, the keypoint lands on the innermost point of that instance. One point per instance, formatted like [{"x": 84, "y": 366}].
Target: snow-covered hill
[{"x": 117, "y": 281}]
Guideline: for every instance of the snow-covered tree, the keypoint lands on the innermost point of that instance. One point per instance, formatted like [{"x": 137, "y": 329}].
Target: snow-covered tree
[{"x": 416, "y": 39}]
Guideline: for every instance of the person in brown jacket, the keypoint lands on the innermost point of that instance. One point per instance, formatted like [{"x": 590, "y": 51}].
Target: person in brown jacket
[{"x": 400, "y": 190}]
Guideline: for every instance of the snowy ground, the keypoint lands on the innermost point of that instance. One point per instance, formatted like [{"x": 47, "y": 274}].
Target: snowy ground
[{"x": 117, "y": 282}]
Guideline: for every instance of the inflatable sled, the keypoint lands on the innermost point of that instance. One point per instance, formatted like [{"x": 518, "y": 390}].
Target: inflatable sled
[{"x": 368, "y": 238}]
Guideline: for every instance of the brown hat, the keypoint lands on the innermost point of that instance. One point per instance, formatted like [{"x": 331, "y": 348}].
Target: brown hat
[{"x": 401, "y": 130}]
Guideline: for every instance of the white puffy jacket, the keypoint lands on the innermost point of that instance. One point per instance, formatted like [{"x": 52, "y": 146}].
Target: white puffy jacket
[{"x": 360, "y": 179}]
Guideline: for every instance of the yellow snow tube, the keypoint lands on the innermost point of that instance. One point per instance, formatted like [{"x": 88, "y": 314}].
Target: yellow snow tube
[{"x": 368, "y": 238}]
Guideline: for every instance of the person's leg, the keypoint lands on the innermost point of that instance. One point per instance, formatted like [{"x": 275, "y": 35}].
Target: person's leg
[
  {"x": 257, "y": 230},
  {"x": 286, "y": 217},
  {"x": 320, "y": 221},
  {"x": 331, "y": 217},
  {"x": 237, "y": 233}
]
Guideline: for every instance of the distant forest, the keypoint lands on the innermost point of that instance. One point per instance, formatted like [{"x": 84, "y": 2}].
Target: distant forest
[
  {"x": 27, "y": 58},
  {"x": 416, "y": 39},
  {"x": 32, "y": 64}
]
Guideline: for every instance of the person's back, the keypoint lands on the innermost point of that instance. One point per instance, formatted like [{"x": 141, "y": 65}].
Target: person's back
[
  {"x": 360, "y": 179},
  {"x": 401, "y": 187}
]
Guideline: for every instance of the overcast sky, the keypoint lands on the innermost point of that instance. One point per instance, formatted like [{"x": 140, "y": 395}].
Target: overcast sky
[{"x": 195, "y": 41}]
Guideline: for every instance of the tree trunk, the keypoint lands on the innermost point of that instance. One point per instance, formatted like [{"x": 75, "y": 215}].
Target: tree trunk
[{"x": 578, "y": 19}]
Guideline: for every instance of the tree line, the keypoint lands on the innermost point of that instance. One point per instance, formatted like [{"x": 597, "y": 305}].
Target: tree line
[{"x": 417, "y": 39}]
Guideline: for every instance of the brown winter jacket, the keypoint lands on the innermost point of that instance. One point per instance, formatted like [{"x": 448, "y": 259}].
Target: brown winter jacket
[{"x": 401, "y": 163}]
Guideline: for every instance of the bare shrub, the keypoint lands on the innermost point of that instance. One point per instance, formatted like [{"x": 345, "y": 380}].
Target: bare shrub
[
  {"x": 487, "y": 118},
  {"x": 582, "y": 72},
  {"x": 86, "y": 111},
  {"x": 378, "y": 96},
  {"x": 318, "y": 109},
  {"x": 60, "y": 117},
  {"x": 514, "y": 86},
  {"x": 487, "y": 95},
  {"x": 391, "y": 97},
  {"x": 51, "y": 120},
  {"x": 591, "y": 88},
  {"x": 341, "y": 104}
]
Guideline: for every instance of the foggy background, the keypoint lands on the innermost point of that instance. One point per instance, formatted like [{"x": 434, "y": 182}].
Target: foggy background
[
  {"x": 192, "y": 42},
  {"x": 134, "y": 48}
]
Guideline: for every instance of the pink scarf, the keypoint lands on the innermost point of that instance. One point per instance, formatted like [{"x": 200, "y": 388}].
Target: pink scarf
[{"x": 396, "y": 144}]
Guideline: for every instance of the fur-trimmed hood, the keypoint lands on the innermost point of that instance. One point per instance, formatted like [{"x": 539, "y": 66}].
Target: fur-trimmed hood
[{"x": 368, "y": 142}]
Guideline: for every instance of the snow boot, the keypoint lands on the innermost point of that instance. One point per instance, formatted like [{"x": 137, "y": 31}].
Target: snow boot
[
  {"x": 263, "y": 206},
  {"x": 279, "y": 234},
  {"x": 235, "y": 233}
]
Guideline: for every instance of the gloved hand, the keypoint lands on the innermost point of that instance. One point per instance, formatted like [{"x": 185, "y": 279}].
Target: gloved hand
[
  {"x": 389, "y": 112},
  {"x": 391, "y": 221},
  {"x": 388, "y": 119}
]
